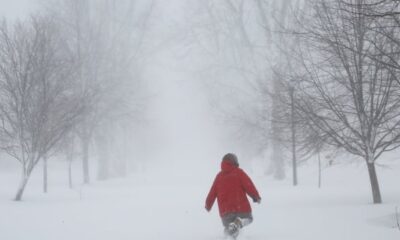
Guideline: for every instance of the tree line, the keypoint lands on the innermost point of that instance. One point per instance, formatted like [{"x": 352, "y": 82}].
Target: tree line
[
  {"x": 347, "y": 85},
  {"x": 321, "y": 75},
  {"x": 69, "y": 82}
]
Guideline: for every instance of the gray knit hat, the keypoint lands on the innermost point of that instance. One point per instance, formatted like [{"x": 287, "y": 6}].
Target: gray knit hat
[{"x": 232, "y": 158}]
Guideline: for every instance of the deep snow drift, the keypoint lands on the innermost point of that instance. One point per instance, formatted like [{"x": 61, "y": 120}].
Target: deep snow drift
[{"x": 162, "y": 206}]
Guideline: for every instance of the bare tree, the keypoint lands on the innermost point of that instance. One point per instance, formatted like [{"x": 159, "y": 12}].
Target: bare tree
[
  {"x": 288, "y": 130},
  {"x": 238, "y": 36},
  {"x": 297, "y": 134},
  {"x": 278, "y": 160},
  {"x": 74, "y": 18},
  {"x": 39, "y": 104},
  {"x": 346, "y": 94},
  {"x": 248, "y": 42},
  {"x": 124, "y": 37},
  {"x": 107, "y": 38}
]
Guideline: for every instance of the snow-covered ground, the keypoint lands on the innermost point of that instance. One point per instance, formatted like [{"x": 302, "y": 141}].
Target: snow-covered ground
[{"x": 167, "y": 206}]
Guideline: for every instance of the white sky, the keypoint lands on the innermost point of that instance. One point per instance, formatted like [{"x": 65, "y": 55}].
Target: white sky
[{"x": 13, "y": 9}]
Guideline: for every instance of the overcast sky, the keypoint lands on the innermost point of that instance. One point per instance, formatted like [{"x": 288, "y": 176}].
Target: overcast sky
[{"x": 12, "y": 9}]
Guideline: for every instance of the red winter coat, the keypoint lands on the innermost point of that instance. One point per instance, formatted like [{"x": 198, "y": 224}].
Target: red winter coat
[{"x": 230, "y": 188}]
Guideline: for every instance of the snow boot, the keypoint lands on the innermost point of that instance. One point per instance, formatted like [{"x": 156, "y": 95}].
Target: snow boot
[{"x": 234, "y": 227}]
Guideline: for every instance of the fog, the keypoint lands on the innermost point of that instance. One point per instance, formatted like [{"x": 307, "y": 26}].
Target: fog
[
  {"x": 180, "y": 128},
  {"x": 17, "y": 9},
  {"x": 117, "y": 115},
  {"x": 178, "y": 117}
]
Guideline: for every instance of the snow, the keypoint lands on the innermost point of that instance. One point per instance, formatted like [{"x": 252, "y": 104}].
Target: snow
[{"x": 155, "y": 205}]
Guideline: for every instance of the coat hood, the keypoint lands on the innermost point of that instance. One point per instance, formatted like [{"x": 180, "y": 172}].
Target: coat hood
[{"x": 227, "y": 166}]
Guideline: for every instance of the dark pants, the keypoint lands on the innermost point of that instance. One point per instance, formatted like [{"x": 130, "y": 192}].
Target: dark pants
[{"x": 230, "y": 217}]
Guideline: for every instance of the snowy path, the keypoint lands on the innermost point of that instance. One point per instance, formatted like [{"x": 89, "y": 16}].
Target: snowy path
[{"x": 142, "y": 208}]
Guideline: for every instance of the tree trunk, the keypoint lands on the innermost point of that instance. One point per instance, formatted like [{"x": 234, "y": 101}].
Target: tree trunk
[
  {"x": 70, "y": 175},
  {"x": 376, "y": 194},
  {"x": 22, "y": 185},
  {"x": 70, "y": 147},
  {"x": 103, "y": 170},
  {"x": 293, "y": 129},
  {"x": 85, "y": 160},
  {"x": 277, "y": 166},
  {"x": 45, "y": 174},
  {"x": 319, "y": 170}
]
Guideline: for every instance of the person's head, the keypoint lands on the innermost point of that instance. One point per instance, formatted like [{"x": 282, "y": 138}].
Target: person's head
[{"x": 231, "y": 158}]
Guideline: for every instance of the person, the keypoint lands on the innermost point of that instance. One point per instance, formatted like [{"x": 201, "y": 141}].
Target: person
[{"x": 231, "y": 187}]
